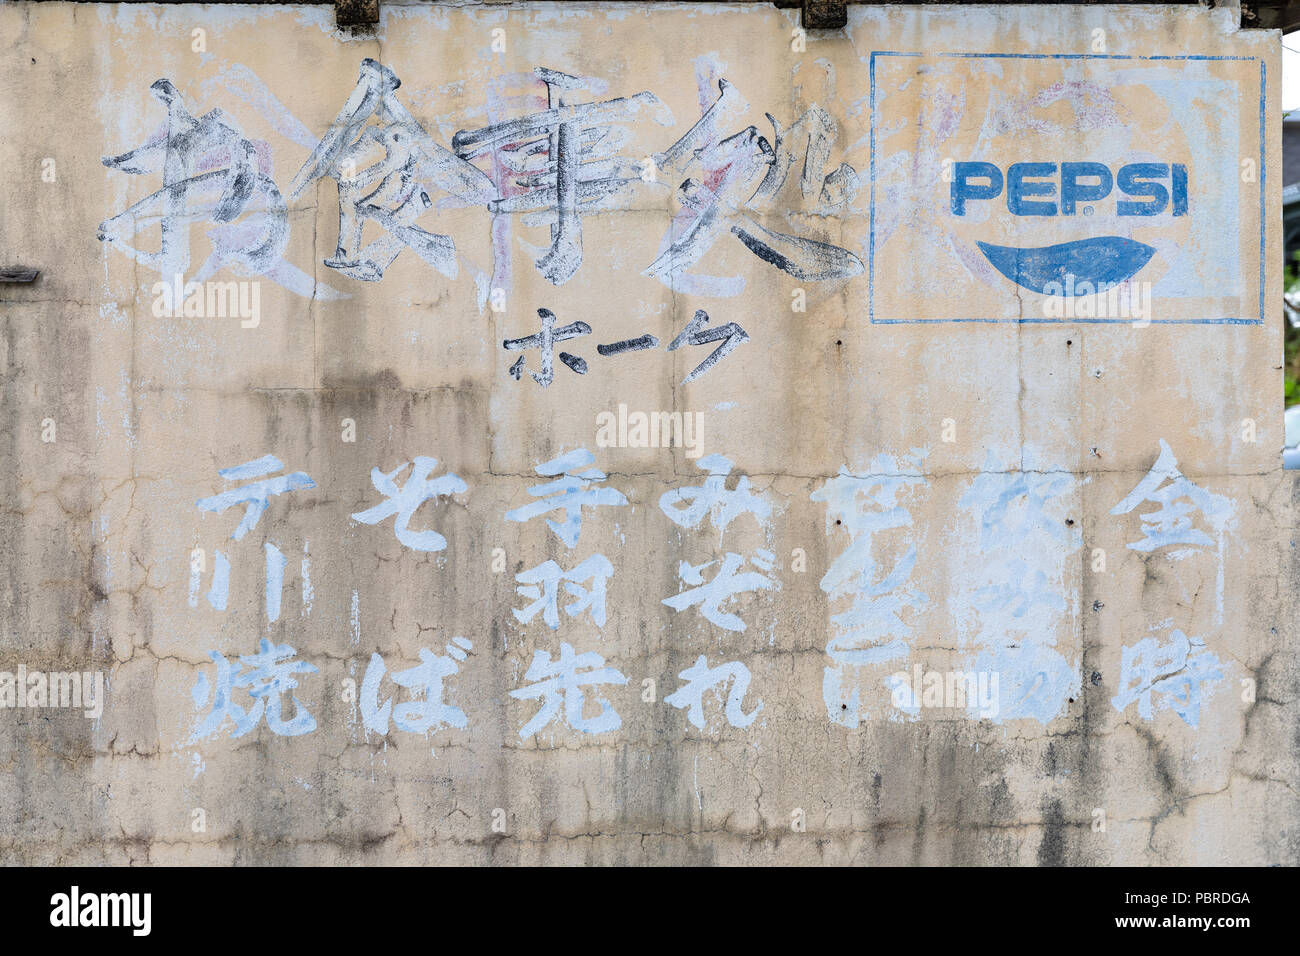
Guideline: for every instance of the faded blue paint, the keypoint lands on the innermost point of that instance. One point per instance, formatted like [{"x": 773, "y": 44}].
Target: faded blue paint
[
  {"x": 404, "y": 501},
  {"x": 254, "y": 497},
  {"x": 269, "y": 675},
  {"x": 558, "y": 684},
  {"x": 688, "y": 506},
  {"x": 426, "y": 710},
  {"x": 275, "y": 564},
  {"x": 1013, "y": 600},
  {"x": 597, "y": 569},
  {"x": 1100, "y": 262},
  {"x": 219, "y": 592},
  {"x": 725, "y": 584},
  {"x": 700, "y": 678},
  {"x": 1167, "y": 676},
  {"x": 570, "y": 493},
  {"x": 872, "y": 630}
]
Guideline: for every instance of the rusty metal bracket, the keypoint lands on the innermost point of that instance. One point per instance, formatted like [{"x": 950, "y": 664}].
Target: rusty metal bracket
[
  {"x": 1281, "y": 15},
  {"x": 824, "y": 14},
  {"x": 352, "y": 13}
]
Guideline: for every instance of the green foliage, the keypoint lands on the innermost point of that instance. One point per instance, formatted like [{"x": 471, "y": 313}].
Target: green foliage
[{"x": 1291, "y": 348}]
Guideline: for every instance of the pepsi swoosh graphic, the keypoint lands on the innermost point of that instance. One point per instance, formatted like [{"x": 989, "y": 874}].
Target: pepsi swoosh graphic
[{"x": 1101, "y": 261}]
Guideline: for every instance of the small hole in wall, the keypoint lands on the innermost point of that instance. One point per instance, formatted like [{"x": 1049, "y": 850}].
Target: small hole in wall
[
  {"x": 1069, "y": 521},
  {"x": 1069, "y": 341},
  {"x": 844, "y": 706},
  {"x": 838, "y": 521},
  {"x": 839, "y": 342}
]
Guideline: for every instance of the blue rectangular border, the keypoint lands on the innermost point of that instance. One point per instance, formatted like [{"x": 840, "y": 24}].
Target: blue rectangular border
[{"x": 1263, "y": 219}]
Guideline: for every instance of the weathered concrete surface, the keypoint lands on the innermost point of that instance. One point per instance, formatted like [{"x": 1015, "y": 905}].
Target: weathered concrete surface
[{"x": 99, "y": 524}]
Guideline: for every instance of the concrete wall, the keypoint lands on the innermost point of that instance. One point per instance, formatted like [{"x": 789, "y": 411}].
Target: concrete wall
[{"x": 912, "y": 457}]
